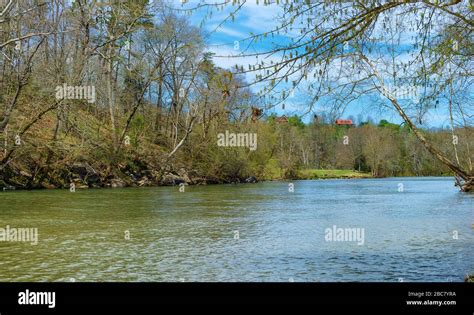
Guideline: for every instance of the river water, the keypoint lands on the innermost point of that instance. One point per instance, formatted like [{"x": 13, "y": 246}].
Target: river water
[{"x": 414, "y": 229}]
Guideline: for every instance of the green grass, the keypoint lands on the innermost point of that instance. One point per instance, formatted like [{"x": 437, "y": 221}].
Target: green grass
[
  {"x": 274, "y": 172},
  {"x": 321, "y": 174}
]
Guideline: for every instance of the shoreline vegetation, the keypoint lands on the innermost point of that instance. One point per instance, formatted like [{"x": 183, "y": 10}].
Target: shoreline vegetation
[
  {"x": 84, "y": 157},
  {"x": 85, "y": 177},
  {"x": 83, "y": 154}
]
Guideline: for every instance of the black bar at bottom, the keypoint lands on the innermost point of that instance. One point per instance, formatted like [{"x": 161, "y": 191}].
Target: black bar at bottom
[{"x": 453, "y": 298}]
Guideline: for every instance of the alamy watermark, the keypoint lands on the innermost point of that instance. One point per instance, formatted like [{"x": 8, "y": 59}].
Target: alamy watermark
[
  {"x": 230, "y": 139},
  {"x": 37, "y": 298},
  {"x": 407, "y": 92},
  {"x": 79, "y": 92},
  {"x": 12, "y": 234},
  {"x": 353, "y": 234}
]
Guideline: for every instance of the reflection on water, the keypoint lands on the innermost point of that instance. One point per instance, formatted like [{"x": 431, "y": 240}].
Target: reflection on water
[{"x": 253, "y": 232}]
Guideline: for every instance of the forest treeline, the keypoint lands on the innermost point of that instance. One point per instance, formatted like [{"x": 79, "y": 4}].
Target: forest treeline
[{"x": 128, "y": 94}]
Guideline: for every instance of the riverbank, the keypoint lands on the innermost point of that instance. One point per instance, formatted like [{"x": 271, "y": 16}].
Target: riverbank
[
  {"x": 85, "y": 153},
  {"x": 84, "y": 175}
]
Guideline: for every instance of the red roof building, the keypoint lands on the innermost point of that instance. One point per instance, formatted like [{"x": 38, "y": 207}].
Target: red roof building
[
  {"x": 282, "y": 120},
  {"x": 344, "y": 122}
]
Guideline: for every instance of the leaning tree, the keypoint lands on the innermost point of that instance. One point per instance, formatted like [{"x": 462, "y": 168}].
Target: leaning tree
[{"x": 414, "y": 55}]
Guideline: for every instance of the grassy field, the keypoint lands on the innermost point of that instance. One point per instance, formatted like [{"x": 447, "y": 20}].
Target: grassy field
[
  {"x": 274, "y": 172},
  {"x": 322, "y": 174}
]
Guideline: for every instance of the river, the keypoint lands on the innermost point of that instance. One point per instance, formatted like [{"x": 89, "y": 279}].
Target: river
[{"x": 414, "y": 229}]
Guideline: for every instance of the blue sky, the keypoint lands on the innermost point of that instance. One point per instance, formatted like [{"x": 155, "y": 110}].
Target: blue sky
[{"x": 222, "y": 39}]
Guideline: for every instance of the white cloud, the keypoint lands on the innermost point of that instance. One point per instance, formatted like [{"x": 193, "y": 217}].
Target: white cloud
[{"x": 232, "y": 32}]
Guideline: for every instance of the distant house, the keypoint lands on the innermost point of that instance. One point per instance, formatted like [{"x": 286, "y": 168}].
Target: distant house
[
  {"x": 344, "y": 122},
  {"x": 281, "y": 120}
]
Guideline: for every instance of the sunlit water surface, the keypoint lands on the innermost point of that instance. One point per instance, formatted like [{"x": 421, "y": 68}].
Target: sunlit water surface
[{"x": 253, "y": 232}]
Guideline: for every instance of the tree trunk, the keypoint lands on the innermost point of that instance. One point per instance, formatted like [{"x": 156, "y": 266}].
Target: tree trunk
[
  {"x": 464, "y": 179},
  {"x": 110, "y": 100},
  {"x": 465, "y": 185}
]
